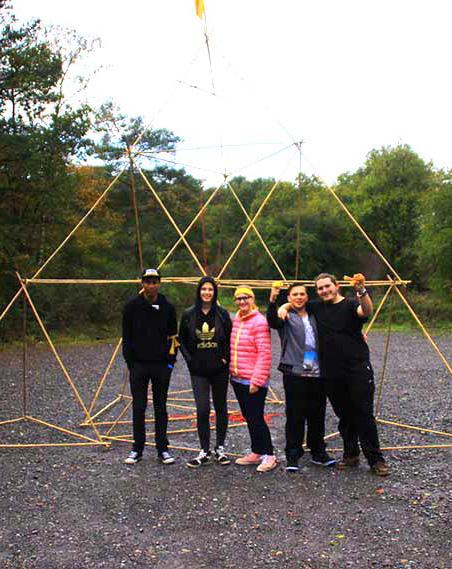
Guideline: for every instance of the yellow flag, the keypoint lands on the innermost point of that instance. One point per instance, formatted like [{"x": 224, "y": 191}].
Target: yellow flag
[{"x": 199, "y": 4}]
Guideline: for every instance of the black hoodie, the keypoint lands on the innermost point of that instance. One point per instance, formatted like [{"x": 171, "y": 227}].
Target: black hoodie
[
  {"x": 204, "y": 338},
  {"x": 147, "y": 329}
]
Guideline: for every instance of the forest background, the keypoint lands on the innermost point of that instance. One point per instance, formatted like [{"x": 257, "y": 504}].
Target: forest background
[{"x": 57, "y": 156}]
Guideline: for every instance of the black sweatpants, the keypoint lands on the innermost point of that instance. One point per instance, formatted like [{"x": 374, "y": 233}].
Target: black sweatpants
[
  {"x": 252, "y": 408},
  {"x": 352, "y": 399},
  {"x": 305, "y": 404},
  {"x": 202, "y": 385},
  {"x": 140, "y": 374}
]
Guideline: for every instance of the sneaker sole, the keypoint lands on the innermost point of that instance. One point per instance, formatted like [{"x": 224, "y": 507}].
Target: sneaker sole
[
  {"x": 331, "y": 462},
  {"x": 198, "y": 465},
  {"x": 131, "y": 462},
  {"x": 167, "y": 461},
  {"x": 258, "y": 469},
  {"x": 292, "y": 468}
]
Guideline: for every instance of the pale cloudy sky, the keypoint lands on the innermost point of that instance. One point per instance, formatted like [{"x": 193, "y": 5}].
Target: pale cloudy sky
[{"x": 343, "y": 76}]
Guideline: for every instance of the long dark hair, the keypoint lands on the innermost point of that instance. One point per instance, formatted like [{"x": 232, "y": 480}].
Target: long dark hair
[{"x": 198, "y": 301}]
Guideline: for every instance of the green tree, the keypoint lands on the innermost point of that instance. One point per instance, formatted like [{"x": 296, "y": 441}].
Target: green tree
[
  {"x": 434, "y": 244},
  {"x": 385, "y": 196}
]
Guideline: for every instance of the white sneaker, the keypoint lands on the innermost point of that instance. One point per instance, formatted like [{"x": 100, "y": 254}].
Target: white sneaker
[
  {"x": 133, "y": 457},
  {"x": 268, "y": 463},
  {"x": 166, "y": 457},
  {"x": 203, "y": 459},
  {"x": 221, "y": 457}
]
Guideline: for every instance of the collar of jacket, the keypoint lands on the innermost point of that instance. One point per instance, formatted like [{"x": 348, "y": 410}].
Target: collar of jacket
[{"x": 252, "y": 313}]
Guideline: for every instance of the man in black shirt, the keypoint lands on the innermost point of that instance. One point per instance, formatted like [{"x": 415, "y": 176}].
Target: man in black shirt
[
  {"x": 149, "y": 330},
  {"x": 344, "y": 357},
  {"x": 346, "y": 364}
]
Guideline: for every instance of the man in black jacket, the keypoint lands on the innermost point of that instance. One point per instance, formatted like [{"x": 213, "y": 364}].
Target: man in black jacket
[{"x": 149, "y": 331}]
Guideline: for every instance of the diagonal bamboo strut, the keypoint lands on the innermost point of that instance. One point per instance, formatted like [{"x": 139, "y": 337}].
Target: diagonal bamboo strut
[
  {"x": 256, "y": 231},
  {"x": 424, "y": 330},
  {"x": 57, "y": 357},
  {"x": 385, "y": 359},
  {"x": 247, "y": 230},
  {"x": 38, "y": 445},
  {"x": 9, "y": 421},
  {"x": 170, "y": 217},
  {"x": 194, "y": 220},
  {"x": 368, "y": 239},
  {"x": 112, "y": 403},
  {"x": 42, "y": 267},
  {"x": 104, "y": 377},
  {"x": 377, "y": 312},
  {"x": 413, "y": 428},
  {"x": 121, "y": 414},
  {"x": 61, "y": 429}
]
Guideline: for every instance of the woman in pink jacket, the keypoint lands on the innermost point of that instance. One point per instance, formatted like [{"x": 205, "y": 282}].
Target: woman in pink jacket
[{"x": 250, "y": 371}]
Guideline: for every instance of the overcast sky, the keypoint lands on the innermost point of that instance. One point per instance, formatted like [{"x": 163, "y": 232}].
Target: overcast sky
[{"x": 342, "y": 76}]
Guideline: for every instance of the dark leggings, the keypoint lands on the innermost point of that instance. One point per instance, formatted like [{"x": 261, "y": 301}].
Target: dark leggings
[
  {"x": 252, "y": 408},
  {"x": 201, "y": 390}
]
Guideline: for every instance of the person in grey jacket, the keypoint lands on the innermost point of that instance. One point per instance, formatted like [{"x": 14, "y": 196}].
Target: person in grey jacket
[{"x": 303, "y": 384}]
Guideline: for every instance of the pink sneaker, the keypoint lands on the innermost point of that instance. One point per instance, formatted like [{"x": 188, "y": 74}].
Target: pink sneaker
[
  {"x": 268, "y": 463},
  {"x": 248, "y": 459}
]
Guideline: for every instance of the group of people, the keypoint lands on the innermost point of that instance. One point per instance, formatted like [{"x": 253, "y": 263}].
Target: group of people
[{"x": 324, "y": 354}]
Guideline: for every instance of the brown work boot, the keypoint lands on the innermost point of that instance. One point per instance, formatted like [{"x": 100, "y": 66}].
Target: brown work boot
[
  {"x": 380, "y": 468},
  {"x": 348, "y": 462}
]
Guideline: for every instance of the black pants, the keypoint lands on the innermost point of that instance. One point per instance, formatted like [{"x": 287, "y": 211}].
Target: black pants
[
  {"x": 305, "y": 404},
  {"x": 352, "y": 399},
  {"x": 201, "y": 390},
  {"x": 140, "y": 374},
  {"x": 252, "y": 408}
]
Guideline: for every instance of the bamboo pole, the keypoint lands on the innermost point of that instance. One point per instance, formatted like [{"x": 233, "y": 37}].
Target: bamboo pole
[
  {"x": 278, "y": 268},
  {"x": 424, "y": 330},
  {"x": 121, "y": 414},
  {"x": 57, "y": 357},
  {"x": 194, "y": 220},
  {"x": 65, "y": 240},
  {"x": 104, "y": 376},
  {"x": 135, "y": 210},
  {"x": 413, "y": 428},
  {"x": 247, "y": 230},
  {"x": 170, "y": 217},
  {"x": 39, "y": 445},
  {"x": 9, "y": 421},
  {"x": 385, "y": 359},
  {"x": 368, "y": 239},
  {"x": 61, "y": 429},
  {"x": 263, "y": 283},
  {"x": 377, "y": 312},
  {"x": 24, "y": 356}
]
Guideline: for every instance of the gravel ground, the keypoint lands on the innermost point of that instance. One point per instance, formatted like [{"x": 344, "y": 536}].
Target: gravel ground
[{"x": 81, "y": 507}]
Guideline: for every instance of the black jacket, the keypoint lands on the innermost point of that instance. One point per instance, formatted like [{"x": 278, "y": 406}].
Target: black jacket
[
  {"x": 147, "y": 331},
  {"x": 188, "y": 339}
]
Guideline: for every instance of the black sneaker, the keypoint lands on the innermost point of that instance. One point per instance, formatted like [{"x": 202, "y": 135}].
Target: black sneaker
[
  {"x": 165, "y": 457},
  {"x": 221, "y": 457},
  {"x": 133, "y": 457},
  {"x": 292, "y": 465},
  {"x": 323, "y": 459},
  {"x": 203, "y": 459}
]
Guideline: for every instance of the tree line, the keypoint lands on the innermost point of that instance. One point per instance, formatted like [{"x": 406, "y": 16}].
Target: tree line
[{"x": 46, "y": 186}]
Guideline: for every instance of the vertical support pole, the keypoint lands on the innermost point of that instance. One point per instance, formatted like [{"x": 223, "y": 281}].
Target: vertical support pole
[
  {"x": 298, "y": 229},
  {"x": 24, "y": 357},
  {"x": 135, "y": 210},
  {"x": 385, "y": 358}
]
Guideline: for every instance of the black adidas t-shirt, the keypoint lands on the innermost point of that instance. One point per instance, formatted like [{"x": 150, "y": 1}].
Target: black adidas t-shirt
[
  {"x": 341, "y": 339},
  {"x": 206, "y": 359}
]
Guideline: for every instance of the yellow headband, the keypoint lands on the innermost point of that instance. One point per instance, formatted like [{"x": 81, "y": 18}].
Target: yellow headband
[{"x": 243, "y": 290}]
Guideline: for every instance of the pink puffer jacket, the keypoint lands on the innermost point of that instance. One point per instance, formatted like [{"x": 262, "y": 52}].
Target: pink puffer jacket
[{"x": 251, "y": 355}]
